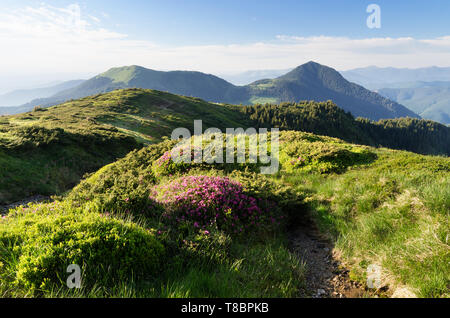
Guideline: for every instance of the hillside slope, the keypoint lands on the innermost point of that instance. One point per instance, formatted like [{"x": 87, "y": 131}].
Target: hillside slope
[
  {"x": 214, "y": 230},
  {"x": 48, "y": 150},
  {"x": 195, "y": 84}
]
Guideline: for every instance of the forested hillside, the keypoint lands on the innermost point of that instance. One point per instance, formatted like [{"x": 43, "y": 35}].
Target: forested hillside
[{"x": 325, "y": 118}]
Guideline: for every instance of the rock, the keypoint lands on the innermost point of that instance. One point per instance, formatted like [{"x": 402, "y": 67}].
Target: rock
[
  {"x": 321, "y": 292},
  {"x": 403, "y": 292}
]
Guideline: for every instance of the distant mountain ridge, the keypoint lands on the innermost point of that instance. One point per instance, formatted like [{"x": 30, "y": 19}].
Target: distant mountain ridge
[
  {"x": 429, "y": 99},
  {"x": 373, "y": 77},
  {"x": 310, "y": 81},
  {"x": 247, "y": 77},
  {"x": 22, "y": 96}
]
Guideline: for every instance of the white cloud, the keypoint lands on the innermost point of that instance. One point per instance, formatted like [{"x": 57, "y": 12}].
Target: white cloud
[{"x": 48, "y": 39}]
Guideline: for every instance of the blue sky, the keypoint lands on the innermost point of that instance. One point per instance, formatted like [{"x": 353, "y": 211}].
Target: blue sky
[
  {"x": 179, "y": 22},
  {"x": 59, "y": 38}
]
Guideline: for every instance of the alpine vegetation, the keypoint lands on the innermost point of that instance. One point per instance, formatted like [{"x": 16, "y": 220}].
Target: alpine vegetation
[{"x": 210, "y": 148}]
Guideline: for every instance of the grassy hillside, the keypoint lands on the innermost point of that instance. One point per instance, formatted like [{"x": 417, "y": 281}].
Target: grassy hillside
[
  {"x": 48, "y": 150},
  {"x": 220, "y": 230}
]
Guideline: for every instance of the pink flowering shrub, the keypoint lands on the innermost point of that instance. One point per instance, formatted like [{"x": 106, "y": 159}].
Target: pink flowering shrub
[
  {"x": 205, "y": 201},
  {"x": 165, "y": 165}
]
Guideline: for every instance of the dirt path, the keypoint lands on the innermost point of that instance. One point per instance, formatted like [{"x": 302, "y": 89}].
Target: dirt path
[{"x": 326, "y": 278}]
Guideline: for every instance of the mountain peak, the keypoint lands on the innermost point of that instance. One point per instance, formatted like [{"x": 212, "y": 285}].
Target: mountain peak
[
  {"x": 311, "y": 71},
  {"x": 123, "y": 74},
  {"x": 311, "y": 65}
]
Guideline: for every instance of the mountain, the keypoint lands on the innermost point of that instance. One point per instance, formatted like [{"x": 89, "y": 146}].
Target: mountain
[
  {"x": 196, "y": 84},
  {"x": 429, "y": 99},
  {"x": 373, "y": 77},
  {"x": 22, "y": 96},
  {"x": 310, "y": 81},
  {"x": 248, "y": 77}
]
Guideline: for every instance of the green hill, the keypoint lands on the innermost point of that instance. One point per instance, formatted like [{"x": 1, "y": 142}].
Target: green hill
[{"x": 47, "y": 151}]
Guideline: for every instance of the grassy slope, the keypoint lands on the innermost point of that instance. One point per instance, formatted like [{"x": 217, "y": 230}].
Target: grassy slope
[
  {"x": 379, "y": 206},
  {"x": 393, "y": 213},
  {"x": 48, "y": 150}
]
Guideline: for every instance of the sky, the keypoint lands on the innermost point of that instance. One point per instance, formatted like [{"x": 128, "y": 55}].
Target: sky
[{"x": 53, "y": 40}]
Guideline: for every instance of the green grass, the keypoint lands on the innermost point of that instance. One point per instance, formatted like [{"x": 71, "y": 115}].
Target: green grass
[
  {"x": 378, "y": 206},
  {"x": 48, "y": 150},
  {"x": 393, "y": 213}
]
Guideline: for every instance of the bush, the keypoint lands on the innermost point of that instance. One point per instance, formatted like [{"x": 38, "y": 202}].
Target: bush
[
  {"x": 107, "y": 250},
  {"x": 323, "y": 157},
  {"x": 205, "y": 201},
  {"x": 289, "y": 202},
  {"x": 124, "y": 185}
]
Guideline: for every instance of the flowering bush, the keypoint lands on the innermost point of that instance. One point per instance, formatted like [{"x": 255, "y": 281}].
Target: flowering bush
[
  {"x": 165, "y": 165},
  {"x": 204, "y": 201}
]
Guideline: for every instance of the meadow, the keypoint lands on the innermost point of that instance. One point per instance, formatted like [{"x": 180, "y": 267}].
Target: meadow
[
  {"x": 140, "y": 224},
  {"x": 209, "y": 230}
]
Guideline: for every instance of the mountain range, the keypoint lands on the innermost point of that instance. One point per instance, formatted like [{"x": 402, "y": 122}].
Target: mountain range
[
  {"x": 310, "y": 81},
  {"x": 247, "y": 77},
  {"x": 373, "y": 77},
  {"x": 22, "y": 96},
  {"x": 431, "y": 100}
]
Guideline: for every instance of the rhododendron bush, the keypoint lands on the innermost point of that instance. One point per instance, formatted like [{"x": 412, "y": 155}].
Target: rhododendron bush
[{"x": 206, "y": 201}]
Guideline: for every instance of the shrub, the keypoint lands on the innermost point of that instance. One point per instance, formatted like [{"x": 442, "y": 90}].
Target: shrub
[
  {"x": 205, "y": 201},
  {"x": 166, "y": 165},
  {"x": 242, "y": 149},
  {"x": 108, "y": 250},
  {"x": 289, "y": 202},
  {"x": 323, "y": 157}
]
